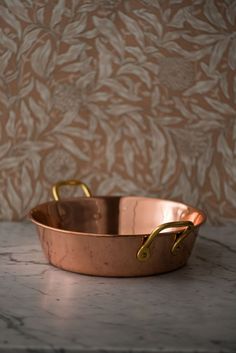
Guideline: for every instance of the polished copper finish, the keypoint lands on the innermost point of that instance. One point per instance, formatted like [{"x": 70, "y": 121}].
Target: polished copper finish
[{"x": 106, "y": 236}]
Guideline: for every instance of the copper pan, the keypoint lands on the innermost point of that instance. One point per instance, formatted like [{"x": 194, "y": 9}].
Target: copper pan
[{"x": 116, "y": 236}]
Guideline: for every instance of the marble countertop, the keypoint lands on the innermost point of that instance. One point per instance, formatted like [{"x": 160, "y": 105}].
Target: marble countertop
[{"x": 44, "y": 309}]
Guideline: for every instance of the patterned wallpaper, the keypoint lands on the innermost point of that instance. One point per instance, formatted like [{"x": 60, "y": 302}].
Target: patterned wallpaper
[{"x": 131, "y": 96}]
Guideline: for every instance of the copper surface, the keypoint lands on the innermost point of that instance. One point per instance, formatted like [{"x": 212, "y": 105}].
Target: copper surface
[{"x": 102, "y": 235}]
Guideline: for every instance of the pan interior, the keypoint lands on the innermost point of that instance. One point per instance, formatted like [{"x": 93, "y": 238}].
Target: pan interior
[{"x": 113, "y": 215}]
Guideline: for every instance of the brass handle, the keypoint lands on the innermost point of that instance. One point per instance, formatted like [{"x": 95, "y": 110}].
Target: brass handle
[
  {"x": 73, "y": 182},
  {"x": 144, "y": 252}
]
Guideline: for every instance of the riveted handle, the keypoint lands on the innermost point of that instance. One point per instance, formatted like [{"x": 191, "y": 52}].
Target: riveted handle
[
  {"x": 143, "y": 253},
  {"x": 73, "y": 182}
]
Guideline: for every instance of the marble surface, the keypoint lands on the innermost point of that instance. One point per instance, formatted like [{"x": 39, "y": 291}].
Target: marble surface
[{"x": 44, "y": 309}]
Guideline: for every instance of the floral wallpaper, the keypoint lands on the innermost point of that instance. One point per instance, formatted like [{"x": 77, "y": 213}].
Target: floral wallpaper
[{"x": 131, "y": 96}]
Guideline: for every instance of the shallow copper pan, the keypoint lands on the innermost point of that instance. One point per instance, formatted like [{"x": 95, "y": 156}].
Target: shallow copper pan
[{"x": 116, "y": 236}]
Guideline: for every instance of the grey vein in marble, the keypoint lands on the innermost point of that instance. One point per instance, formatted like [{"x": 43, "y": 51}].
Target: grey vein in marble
[{"x": 44, "y": 309}]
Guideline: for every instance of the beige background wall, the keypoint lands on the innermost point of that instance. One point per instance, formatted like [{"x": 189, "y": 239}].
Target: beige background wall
[{"x": 133, "y": 97}]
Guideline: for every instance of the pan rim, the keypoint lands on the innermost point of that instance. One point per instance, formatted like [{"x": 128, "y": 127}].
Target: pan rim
[{"x": 115, "y": 236}]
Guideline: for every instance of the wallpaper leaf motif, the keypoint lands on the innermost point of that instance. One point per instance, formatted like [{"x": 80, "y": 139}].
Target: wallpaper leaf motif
[
  {"x": 57, "y": 13},
  {"x": 213, "y": 14},
  {"x": 40, "y": 59},
  {"x": 133, "y": 97}
]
